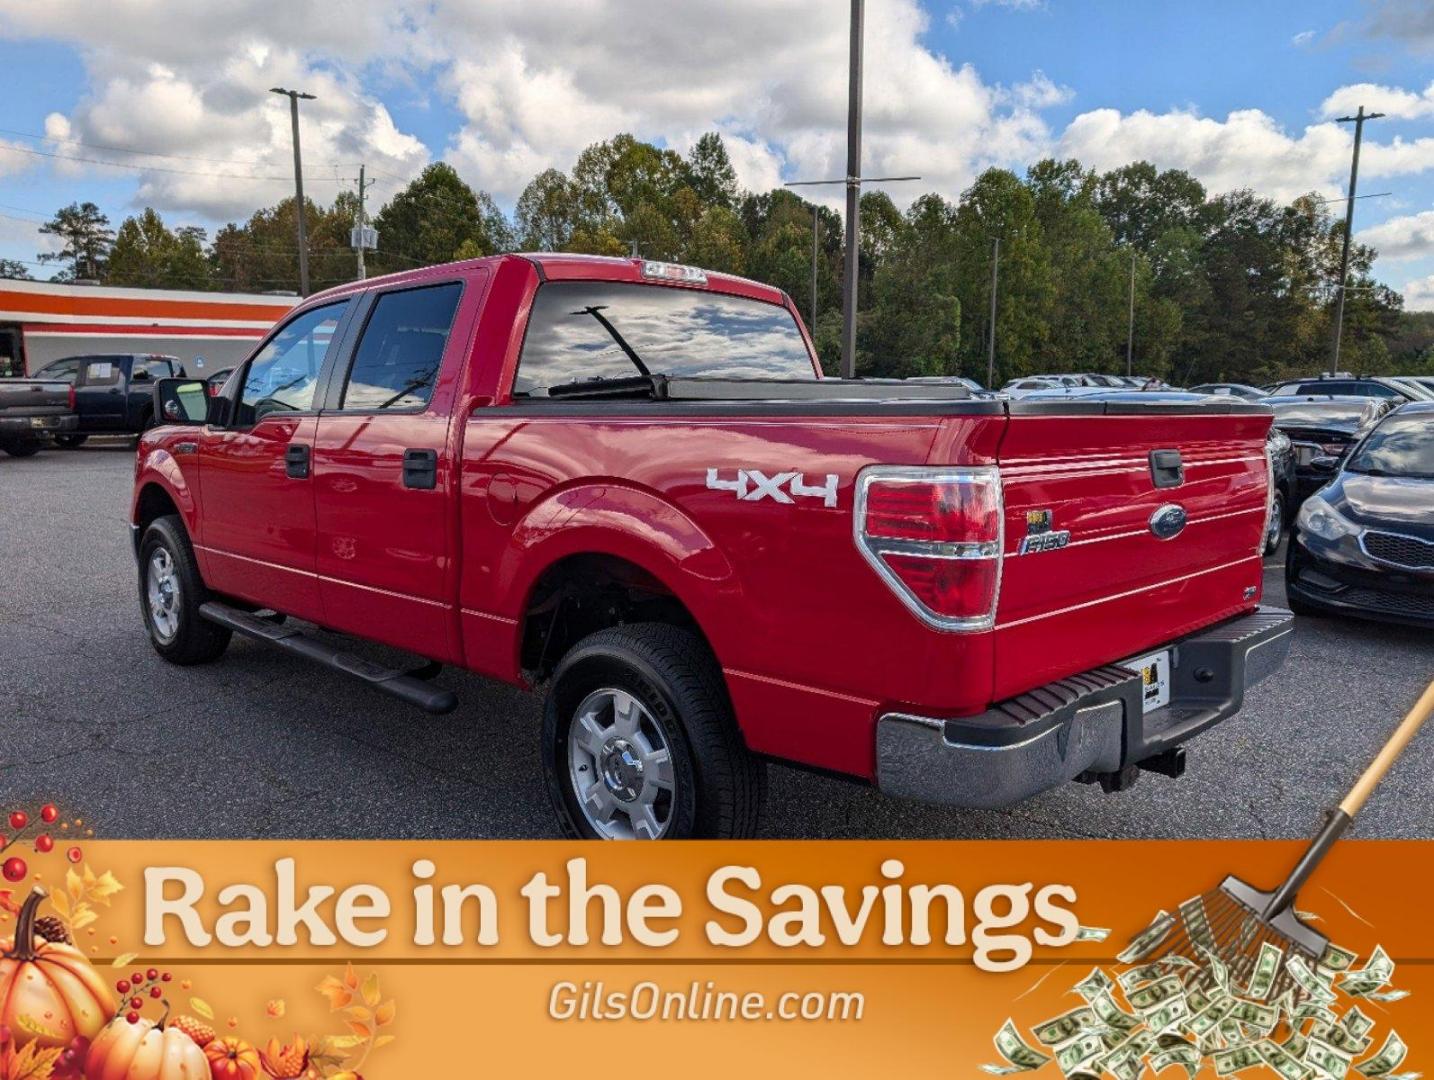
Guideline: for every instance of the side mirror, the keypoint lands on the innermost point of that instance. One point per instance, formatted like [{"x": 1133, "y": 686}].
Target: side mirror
[
  {"x": 1324, "y": 463},
  {"x": 181, "y": 401}
]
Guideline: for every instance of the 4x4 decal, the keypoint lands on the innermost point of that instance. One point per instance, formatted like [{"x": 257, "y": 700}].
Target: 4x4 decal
[{"x": 753, "y": 485}]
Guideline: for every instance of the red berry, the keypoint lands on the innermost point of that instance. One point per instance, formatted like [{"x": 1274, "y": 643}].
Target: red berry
[
  {"x": 155, "y": 991},
  {"x": 19, "y": 819},
  {"x": 122, "y": 986},
  {"x": 74, "y": 854},
  {"x": 152, "y": 974},
  {"x": 137, "y": 978},
  {"x": 48, "y": 813},
  {"x": 14, "y": 869},
  {"x": 132, "y": 1017},
  {"x": 166, "y": 977},
  {"x": 136, "y": 1003},
  {"x": 44, "y": 844}
]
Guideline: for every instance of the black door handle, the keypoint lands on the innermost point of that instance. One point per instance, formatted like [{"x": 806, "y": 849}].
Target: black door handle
[
  {"x": 420, "y": 469},
  {"x": 1166, "y": 468},
  {"x": 296, "y": 461}
]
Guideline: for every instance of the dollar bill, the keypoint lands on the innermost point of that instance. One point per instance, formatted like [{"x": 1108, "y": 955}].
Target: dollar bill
[
  {"x": 1079, "y": 1052},
  {"x": 1391, "y": 1055},
  {"x": 1375, "y": 974},
  {"x": 1092, "y": 933},
  {"x": 1168, "y": 1015},
  {"x": 1312, "y": 1010},
  {"x": 1340, "y": 1037},
  {"x": 1208, "y": 1019},
  {"x": 1219, "y": 973},
  {"x": 1020, "y": 1056},
  {"x": 1296, "y": 1044},
  {"x": 1329, "y": 1060},
  {"x": 1064, "y": 1028},
  {"x": 1149, "y": 939},
  {"x": 1308, "y": 981},
  {"x": 1236, "y": 1059},
  {"x": 1144, "y": 973},
  {"x": 1094, "y": 984},
  {"x": 1355, "y": 1022},
  {"x": 1336, "y": 959},
  {"x": 1387, "y": 995},
  {"x": 1151, "y": 996},
  {"x": 1185, "y": 1055},
  {"x": 1258, "y": 1016},
  {"x": 1282, "y": 1061},
  {"x": 1112, "y": 1015},
  {"x": 1197, "y": 923},
  {"x": 1267, "y": 966}
]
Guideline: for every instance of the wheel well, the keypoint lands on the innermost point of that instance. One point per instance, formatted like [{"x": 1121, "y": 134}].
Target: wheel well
[
  {"x": 154, "y": 502},
  {"x": 582, "y": 594}
]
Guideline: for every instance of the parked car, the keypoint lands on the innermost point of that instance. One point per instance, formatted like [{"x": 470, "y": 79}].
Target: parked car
[
  {"x": 1374, "y": 386},
  {"x": 1284, "y": 495},
  {"x": 114, "y": 392},
  {"x": 215, "y": 382},
  {"x": 1322, "y": 429},
  {"x": 33, "y": 411},
  {"x": 626, "y": 481},
  {"x": 1364, "y": 545},
  {"x": 1228, "y": 389}
]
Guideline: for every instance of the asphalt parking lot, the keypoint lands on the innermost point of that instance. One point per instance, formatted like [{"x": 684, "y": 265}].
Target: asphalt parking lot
[{"x": 259, "y": 745}]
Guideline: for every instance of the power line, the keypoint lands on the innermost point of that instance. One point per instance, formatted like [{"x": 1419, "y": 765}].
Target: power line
[{"x": 149, "y": 168}]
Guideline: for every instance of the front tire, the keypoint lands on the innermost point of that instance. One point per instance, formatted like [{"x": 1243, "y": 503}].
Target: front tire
[
  {"x": 639, "y": 741},
  {"x": 170, "y": 592}
]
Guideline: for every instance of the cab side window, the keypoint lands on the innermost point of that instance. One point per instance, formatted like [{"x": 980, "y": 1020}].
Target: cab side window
[
  {"x": 285, "y": 374},
  {"x": 396, "y": 363}
]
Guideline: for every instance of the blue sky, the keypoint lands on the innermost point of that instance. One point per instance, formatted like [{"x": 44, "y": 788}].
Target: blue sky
[{"x": 1238, "y": 93}]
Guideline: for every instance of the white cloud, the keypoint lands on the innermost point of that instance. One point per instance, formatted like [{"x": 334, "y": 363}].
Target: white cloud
[
  {"x": 1419, "y": 295},
  {"x": 1303, "y": 38},
  {"x": 1408, "y": 237},
  {"x": 1391, "y": 100}
]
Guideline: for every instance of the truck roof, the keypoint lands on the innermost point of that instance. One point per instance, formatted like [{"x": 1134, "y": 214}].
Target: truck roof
[{"x": 563, "y": 266}]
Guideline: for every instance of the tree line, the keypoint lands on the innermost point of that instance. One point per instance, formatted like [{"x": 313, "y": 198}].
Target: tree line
[{"x": 1231, "y": 286}]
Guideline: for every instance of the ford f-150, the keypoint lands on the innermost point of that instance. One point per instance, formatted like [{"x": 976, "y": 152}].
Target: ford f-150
[{"x": 627, "y": 481}]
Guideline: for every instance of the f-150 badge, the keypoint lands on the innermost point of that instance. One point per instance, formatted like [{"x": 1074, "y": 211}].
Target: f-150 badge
[
  {"x": 1040, "y": 536},
  {"x": 754, "y": 485}
]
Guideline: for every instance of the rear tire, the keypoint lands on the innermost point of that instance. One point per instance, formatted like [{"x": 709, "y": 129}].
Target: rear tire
[
  {"x": 639, "y": 741},
  {"x": 70, "y": 442},
  {"x": 24, "y": 449},
  {"x": 1276, "y": 532},
  {"x": 170, "y": 592}
]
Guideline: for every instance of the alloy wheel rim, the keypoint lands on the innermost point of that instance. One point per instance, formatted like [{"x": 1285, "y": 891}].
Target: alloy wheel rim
[
  {"x": 162, "y": 593},
  {"x": 620, "y": 767}
]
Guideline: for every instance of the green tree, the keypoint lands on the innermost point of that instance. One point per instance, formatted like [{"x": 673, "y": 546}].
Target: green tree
[
  {"x": 147, "y": 254},
  {"x": 86, "y": 236},
  {"x": 546, "y": 211},
  {"x": 710, "y": 173},
  {"x": 14, "y": 270},
  {"x": 430, "y": 220}
]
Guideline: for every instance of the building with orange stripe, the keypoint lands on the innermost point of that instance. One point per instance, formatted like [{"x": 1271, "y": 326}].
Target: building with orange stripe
[{"x": 44, "y": 321}]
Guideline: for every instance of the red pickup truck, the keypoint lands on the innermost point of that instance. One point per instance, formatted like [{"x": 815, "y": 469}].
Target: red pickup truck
[{"x": 626, "y": 480}]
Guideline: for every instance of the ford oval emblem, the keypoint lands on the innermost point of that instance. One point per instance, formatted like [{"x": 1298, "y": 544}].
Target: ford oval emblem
[{"x": 1168, "y": 521}]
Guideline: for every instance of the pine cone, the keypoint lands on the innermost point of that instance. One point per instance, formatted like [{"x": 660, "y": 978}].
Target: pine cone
[{"x": 52, "y": 929}]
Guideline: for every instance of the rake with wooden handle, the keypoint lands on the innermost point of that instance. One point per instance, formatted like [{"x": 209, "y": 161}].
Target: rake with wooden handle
[{"x": 1233, "y": 921}]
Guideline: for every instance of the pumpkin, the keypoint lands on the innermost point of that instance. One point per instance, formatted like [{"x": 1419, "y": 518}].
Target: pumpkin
[
  {"x": 144, "y": 1050},
  {"x": 49, "y": 993},
  {"x": 233, "y": 1059}
]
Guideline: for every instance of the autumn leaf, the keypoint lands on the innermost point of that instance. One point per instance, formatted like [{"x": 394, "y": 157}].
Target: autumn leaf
[
  {"x": 338, "y": 994},
  {"x": 363, "y": 1031},
  {"x": 123, "y": 960},
  {"x": 371, "y": 993},
  {"x": 32, "y": 1062},
  {"x": 103, "y": 888},
  {"x": 276, "y": 1008},
  {"x": 351, "y": 979},
  {"x": 340, "y": 1042},
  {"x": 383, "y": 1040},
  {"x": 384, "y": 1014},
  {"x": 74, "y": 885},
  {"x": 359, "y": 1013},
  {"x": 84, "y": 915},
  {"x": 61, "y": 903},
  {"x": 202, "y": 1007}
]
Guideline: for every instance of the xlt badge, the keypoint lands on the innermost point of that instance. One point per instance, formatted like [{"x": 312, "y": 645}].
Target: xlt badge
[{"x": 1040, "y": 536}]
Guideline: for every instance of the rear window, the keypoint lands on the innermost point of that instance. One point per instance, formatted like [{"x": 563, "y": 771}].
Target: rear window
[
  {"x": 1320, "y": 415},
  {"x": 583, "y": 330}
]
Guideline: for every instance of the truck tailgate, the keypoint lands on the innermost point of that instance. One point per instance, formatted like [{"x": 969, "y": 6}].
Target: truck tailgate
[{"x": 1114, "y": 588}]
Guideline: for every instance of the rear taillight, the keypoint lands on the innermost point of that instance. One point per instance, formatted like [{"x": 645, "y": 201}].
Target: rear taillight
[
  {"x": 935, "y": 536},
  {"x": 70, "y": 397}
]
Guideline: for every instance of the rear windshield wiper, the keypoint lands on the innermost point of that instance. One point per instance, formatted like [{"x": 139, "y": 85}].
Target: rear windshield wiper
[{"x": 596, "y": 311}]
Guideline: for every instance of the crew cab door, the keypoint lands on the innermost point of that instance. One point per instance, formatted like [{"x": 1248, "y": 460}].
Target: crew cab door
[
  {"x": 384, "y": 483},
  {"x": 100, "y": 397},
  {"x": 256, "y": 473}
]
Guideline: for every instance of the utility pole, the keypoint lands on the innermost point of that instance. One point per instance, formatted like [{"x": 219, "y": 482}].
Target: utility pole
[
  {"x": 1357, "y": 120},
  {"x": 816, "y": 254},
  {"x": 363, "y": 186},
  {"x": 1130, "y": 330},
  {"x": 851, "y": 264},
  {"x": 991, "y": 342},
  {"x": 294, "y": 96}
]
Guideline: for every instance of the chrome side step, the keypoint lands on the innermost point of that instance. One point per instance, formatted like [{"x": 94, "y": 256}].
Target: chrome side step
[{"x": 414, "y": 689}]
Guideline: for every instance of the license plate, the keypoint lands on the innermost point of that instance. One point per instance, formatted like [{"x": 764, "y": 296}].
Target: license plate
[
  {"x": 42, "y": 421},
  {"x": 1154, "y": 669}
]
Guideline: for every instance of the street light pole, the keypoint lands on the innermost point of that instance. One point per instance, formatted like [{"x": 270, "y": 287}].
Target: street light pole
[
  {"x": 1357, "y": 120},
  {"x": 816, "y": 254},
  {"x": 991, "y": 341},
  {"x": 851, "y": 264},
  {"x": 294, "y": 96}
]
